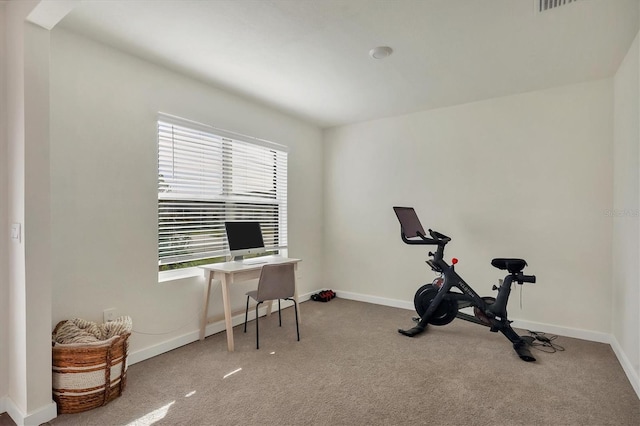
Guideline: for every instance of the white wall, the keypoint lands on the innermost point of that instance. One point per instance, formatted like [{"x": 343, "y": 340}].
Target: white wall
[
  {"x": 4, "y": 223},
  {"x": 626, "y": 192},
  {"x": 28, "y": 289},
  {"x": 16, "y": 380},
  {"x": 528, "y": 176},
  {"x": 104, "y": 187},
  {"x": 36, "y": 229}
]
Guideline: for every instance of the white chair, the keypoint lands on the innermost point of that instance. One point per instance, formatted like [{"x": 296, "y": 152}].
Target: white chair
[{"x": 276, "y": 282}]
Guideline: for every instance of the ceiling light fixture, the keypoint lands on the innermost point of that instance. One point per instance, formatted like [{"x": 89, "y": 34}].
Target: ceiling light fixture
[{"x": 380, "y": 52}]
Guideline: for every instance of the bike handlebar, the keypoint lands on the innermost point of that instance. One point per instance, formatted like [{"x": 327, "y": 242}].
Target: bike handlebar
[
  {"x": 526, "y": 278},
  {"x": 438, "y": 236},
  {"x": 436, "y": 239}
]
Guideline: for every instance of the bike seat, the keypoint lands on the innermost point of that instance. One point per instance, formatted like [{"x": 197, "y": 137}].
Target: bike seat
[{"x": 512, "y": 265}]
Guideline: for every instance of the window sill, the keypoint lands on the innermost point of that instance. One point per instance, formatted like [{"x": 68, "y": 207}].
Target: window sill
[
  {"x": 195, "y": 271},
  {"x": 166, "y": 276}
]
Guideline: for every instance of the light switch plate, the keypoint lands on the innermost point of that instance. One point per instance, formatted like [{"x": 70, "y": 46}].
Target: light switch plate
[{"x": 15, "y": 232}]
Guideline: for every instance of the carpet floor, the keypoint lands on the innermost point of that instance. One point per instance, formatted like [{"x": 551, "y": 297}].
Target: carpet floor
[{"x": 351, "y": 367}]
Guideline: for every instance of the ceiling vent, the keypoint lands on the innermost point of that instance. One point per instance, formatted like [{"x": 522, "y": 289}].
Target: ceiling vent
[{"x": 546, "y": 5}]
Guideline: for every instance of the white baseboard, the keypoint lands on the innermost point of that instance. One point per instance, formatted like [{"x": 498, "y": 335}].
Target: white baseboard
[
  {"x": 402, "y": 304},
  {"x": 34, "y": 418},
  {"x": 593, "y": 336},
  {"x": 166, "y": 346},
  {"x": 185, "y": 339},
  {"x": 632, "y": 375}
]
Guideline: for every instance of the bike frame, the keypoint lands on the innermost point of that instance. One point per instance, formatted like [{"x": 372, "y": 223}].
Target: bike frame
[{"x": 496, "y": 312}]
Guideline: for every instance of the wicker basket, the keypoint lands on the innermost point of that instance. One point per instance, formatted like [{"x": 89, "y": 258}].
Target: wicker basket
[{"x": 86, "y": 376}]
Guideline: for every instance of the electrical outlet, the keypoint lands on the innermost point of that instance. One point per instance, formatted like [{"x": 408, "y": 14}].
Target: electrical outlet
[{"x": 109, "y": 314}]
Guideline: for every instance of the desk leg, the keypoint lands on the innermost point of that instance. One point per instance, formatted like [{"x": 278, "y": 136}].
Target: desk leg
[
  {"x": 205, "y": 307},
  {"x": 295, "y": 292},
  {"x": 226, "y": 280}
]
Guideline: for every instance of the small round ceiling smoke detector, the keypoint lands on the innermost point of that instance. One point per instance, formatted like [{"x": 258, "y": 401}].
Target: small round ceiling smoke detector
[{"x": 380, "y": 52}]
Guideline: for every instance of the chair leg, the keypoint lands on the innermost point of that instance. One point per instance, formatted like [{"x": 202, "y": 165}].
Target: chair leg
[
  {"x": 295, "y": 307},
  {"x": 246, "y": 315},
  {"x": 279, "y": 314},
  {"x": 257, "y": 330}
]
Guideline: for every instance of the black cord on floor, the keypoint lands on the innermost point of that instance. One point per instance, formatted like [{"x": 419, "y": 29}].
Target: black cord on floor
[{"x": 543, "y": 342}]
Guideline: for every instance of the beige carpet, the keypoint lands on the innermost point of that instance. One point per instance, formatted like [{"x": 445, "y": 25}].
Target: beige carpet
[{"x": 351, "y": 367}]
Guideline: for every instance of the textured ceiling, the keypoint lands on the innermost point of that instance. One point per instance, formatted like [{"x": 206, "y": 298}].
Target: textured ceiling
[{"x": 310, "y": 58}]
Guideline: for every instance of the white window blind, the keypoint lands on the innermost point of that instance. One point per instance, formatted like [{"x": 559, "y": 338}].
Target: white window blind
[{"x": 208, "y": 176}]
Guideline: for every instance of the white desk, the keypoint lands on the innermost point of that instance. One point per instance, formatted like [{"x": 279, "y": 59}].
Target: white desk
[{"x": 227, "y": 273}]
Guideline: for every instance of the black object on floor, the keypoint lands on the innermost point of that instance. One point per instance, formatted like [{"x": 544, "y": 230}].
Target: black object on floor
[{"x": 323, "y": 296}]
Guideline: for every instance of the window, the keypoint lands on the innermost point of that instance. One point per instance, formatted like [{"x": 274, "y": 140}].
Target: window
[{"x": 207, "y": 176}]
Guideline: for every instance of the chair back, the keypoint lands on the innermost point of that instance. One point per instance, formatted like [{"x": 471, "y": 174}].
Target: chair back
[{"x": 276, "y": 282}]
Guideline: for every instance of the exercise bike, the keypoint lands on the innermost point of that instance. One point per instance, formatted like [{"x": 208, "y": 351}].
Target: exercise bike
[{"x": 438, "y": 304}]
